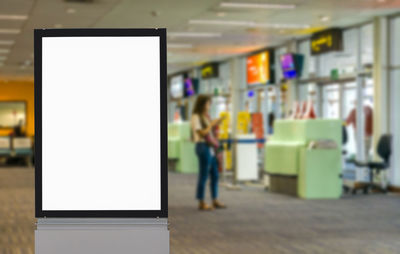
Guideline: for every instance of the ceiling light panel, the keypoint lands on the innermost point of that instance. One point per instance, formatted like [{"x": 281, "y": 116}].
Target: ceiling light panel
[
  {"x": 9, "y": 31},
  {"x": 248, "y": 24},
  {"x": 194, "y": 34},
  {"x": 4, "y": 51},
  {"x": 257, "y": 5},
  {"x": 179, "y": 45},
  {"x": 324, "y": 18},
  {"x": 13, "y": 17},
  {"x": 6, "y": 42}
]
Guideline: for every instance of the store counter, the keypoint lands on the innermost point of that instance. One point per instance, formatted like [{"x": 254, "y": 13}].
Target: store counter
[
  {"x": 181, "y": 148},
  {"x": 298, "y": 169}
]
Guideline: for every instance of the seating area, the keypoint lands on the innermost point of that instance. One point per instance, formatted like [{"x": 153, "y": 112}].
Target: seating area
[
  {"x": 181, "y": 151},
  {"x": 303, "y": 158},
  {"x": 17, "y": 147}
]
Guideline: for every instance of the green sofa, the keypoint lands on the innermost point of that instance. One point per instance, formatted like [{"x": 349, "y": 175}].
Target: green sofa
[
  {"x": 181, "y": 149},
  {"x": 296, "y": 169}
]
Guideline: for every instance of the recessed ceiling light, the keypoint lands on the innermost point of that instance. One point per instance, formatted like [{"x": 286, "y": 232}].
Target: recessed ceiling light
[
  {"x": 58, "y": 25},
  {"x": 179, "y": 45},
  {"x": 6, "y": 42},
  {"x": 9, "y": 31},
  {"x": 381, "y": 1},
  {"x": 257, "y": 5},
  {"x": 4, "y": 51},
  {"x": 324, "y": 18},
  {"x": 193, "y": 34},
  {"x": 70, "y": 11},
  {"x": 13, "y": 17},
  {"x": 248, "y": 24}
]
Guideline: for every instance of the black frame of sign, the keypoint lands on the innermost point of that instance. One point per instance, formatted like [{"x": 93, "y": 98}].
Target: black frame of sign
[{"x": 38, "y": 35}]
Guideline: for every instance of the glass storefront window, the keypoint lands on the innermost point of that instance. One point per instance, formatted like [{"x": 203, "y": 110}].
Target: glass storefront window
[
  {"x": 309, "y": 67},
  {"x": 345, "y": 61},
  {"x": 394, "y": 42},
  {"x": 369, "y": 92},
  {"x": 302, "y": 92},
  {"x": 367, "y": 44},
  {"x": 220, "y": 84},
  {"x": 330, "y": 101},
  {"x": 348, "y": 101},
  {"x": 309, "y": 91}
]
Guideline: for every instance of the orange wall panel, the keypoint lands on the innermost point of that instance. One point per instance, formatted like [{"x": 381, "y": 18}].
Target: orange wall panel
[{"x": 20, "y": 91}]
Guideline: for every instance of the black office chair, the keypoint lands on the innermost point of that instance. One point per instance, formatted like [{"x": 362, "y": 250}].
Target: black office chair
[{"x": 384, "y": 150}]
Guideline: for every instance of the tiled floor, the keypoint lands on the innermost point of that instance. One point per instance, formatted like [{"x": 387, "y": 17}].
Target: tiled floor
[{"x": 255, "y": 222}]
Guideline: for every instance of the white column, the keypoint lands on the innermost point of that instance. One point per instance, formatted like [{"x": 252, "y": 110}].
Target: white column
[
  {"x": 361, "y": 174},
  {"x": 238, "y": 67},
  {"x": 238, "y": 81},
  {"x": 266, "y": 109},
  {"x": 292, "y": 84},
  {"x": 380, "y": 74},
  {"x": 394, "y": 173}
]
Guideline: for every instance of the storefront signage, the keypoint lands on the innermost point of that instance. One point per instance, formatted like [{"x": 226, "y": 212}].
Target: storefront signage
[
  {"x": 224, "y": 126},
  {"x": 326, "y": 41},
  {"x": 224, "y": 135},
  {"x": 258, "y": 127},
  {"x": 243, "y": 121},
  {"x": 209, "y": 71},
  {"x": 258, "y": 68}
]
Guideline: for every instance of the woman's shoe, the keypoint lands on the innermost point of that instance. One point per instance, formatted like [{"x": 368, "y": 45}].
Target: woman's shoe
[
  {"x": 204, "y": 207},
  {"x": 218, "y": 205}
]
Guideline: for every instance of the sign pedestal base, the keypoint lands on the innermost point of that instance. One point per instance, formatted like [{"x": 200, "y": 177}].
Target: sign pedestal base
[{"x": 102, "y": 236}]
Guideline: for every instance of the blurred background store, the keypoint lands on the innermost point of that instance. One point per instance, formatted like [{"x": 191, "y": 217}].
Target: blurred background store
[{"x": 310, "y": 90}]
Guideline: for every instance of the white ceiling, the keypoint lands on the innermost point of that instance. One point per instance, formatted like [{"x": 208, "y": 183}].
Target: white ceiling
[{"x": 175, "y": 16}]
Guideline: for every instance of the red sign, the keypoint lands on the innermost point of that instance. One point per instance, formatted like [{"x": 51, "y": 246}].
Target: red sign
[{"x": 258, "y": 127}]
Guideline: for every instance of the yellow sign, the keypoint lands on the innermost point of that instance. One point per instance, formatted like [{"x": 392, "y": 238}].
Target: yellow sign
[
  {"x": 228, "y": 159},
  {"x": 224, "y": 135},
  {"x": 243, "y": 122},
  {"x": 323, "y": 41},
  {"x": 209, "y": 71},
  {"x": 224, "y": 126},
  {"x": 326, "y": 41}
]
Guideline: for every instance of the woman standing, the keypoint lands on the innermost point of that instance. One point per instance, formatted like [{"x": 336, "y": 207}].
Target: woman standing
[{"x": 205, "y": 141}]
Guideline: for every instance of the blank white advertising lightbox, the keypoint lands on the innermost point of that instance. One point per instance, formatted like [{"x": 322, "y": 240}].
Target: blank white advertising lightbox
[{"x": 100, "y": 127}]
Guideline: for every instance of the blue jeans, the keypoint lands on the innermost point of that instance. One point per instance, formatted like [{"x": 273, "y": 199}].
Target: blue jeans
[{"x": 208, "y": 164}]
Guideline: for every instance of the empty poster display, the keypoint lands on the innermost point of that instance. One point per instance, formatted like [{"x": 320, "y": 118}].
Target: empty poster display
[{"x": 100, "y": 105}]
